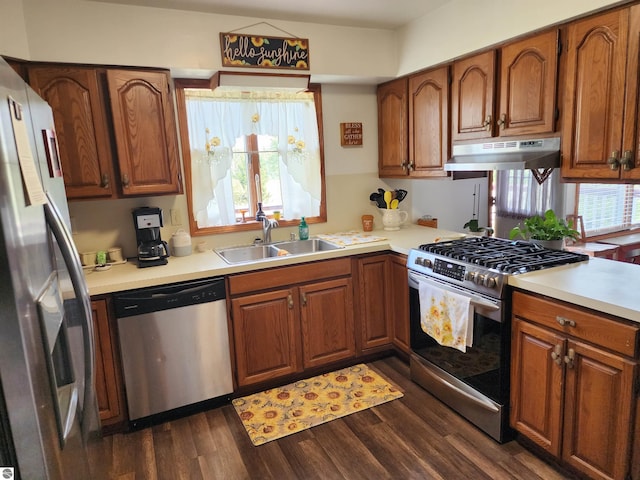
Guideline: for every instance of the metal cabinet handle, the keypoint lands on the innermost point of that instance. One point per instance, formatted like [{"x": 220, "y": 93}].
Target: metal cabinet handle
[
  {"x": 404, "y": 165},
  {"x": 570, "y": 358},
  {"x": 104, "y": 182},
  {"x": 502, "y": 123},
  {"x": 290, "y": 300},
  {"x": 565, "y": 322},
  {"x": 556, "y": 355},
  {"x": 125, "y": 180},
  {"x": 613, "y": 161},
  {"x": 627, "y": 160},
  {"x": 487, "y": 123},
  {"x": 304, "y": 298},
  {"x": 411, "y": 166}
]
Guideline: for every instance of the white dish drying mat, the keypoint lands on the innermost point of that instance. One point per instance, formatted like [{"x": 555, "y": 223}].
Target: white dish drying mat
[
  {"x": 355, "y": 237},
  {"x": 446, "y": 316}
]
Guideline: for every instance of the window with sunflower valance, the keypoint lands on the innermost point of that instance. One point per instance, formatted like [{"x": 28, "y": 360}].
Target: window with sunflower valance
[{"x": 250, "y": 147}]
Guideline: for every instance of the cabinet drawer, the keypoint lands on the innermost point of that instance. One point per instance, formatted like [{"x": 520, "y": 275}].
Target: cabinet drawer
[
  {"x": 283, "y": 276},
  {"x": 597, "y": 328}
]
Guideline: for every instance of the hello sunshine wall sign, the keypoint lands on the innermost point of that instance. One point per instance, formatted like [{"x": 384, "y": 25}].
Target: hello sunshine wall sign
[{"x": 239, "y": 50}]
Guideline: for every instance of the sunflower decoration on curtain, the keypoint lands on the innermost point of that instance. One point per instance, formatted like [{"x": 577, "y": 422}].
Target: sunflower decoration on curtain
[{"x": 296, "y": 148}]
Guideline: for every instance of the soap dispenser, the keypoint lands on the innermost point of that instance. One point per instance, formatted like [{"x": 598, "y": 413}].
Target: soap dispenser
[{"x": 303, "y": 230}]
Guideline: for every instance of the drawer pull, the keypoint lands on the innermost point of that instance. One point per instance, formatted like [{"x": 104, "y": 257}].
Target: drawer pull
[
  {"x": 565, "y": 322},
  {"x": 304, "y": 298},
  {"x": 556, "y": 355},
  {"x": 570, "y": 357},
  {"x": 290, "y": 300}
]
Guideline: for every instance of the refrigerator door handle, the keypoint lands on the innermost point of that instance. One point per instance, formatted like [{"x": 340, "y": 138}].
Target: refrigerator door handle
[{"x": 71, "y": 258}]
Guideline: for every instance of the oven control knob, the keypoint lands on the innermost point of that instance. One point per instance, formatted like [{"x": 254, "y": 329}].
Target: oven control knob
[
  {"x": 490, "y": 282},
  {"x": 480, "y": 278},
  {"x": 471, "y": 276},
  {"x": 425, "y": 262}
]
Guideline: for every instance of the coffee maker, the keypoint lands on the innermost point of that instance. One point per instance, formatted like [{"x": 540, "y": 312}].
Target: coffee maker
[{"x": 151, "y": 249}]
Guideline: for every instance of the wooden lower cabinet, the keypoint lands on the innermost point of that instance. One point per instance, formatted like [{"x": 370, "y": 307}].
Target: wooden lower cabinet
[
  {"x": 571, "y": 394},
  {"x": 376, "y": 329},
  {"x": 399, "y": 302},
  {"x": 108, "y": 381},
  {"x": 306, "y": 321},
  {"x": 266, "y": 336}
]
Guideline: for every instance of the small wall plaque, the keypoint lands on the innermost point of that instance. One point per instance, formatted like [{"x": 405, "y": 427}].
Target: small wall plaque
[
  {"x": 351, "y": 134},
  {"x": 264, "y": 52}
]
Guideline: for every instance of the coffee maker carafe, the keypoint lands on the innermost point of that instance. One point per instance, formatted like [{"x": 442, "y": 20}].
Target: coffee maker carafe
[{"x": 151, "y": 249}]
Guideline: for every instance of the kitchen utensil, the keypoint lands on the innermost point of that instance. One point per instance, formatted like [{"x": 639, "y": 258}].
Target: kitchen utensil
[
  {"x": 401, "y": 194},
  {"x": 387, "y": 198},
  {"x": 378, "y": 198},
  {"x": 394, "y": 203}
]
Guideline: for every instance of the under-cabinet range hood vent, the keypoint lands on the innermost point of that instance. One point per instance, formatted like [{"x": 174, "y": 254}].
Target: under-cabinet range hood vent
[{"x": 540, "y": 155}]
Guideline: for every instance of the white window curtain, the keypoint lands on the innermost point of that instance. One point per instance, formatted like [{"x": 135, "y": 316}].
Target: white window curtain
[
  {"x": 217, "y": 119},
  {"x": 519, "y": 195}
]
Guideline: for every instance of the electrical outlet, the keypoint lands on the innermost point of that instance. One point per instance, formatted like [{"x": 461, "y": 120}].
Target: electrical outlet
[{"x": 176, "y": 218}]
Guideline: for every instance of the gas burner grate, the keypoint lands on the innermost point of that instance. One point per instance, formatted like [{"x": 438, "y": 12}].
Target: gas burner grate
[{"x": 503, "y": 255}]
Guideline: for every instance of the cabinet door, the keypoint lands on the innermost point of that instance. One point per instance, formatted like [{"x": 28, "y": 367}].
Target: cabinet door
[
  {"x": 82, "y": 131},
  {"x": 107, "y": 380},
  {"x": 528, "y": 79},
  {"x": 473, "y": 96},
  {"x": 429, "y": 123},
  {"x": 327, "y": 322},
  {"x": 266, "y": 336},
  {"x": 594, "y": 95},
  {"x": 376, "y": 327},
  {"x": 598, "y": 399},
  {"x": 536, "y": 384},
  {"x": 399, "y": 303},
  {"x": 393, "y": 129},
  {"x": 146, "y": 136}
]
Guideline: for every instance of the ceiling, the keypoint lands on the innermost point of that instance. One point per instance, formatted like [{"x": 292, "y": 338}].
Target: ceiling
[{"x": 386, "y": 14}]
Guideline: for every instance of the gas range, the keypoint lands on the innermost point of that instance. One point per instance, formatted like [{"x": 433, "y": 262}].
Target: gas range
[{"x": 483, "y": 264}]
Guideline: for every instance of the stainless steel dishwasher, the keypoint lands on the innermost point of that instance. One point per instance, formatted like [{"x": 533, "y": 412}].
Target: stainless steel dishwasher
[{"x": 174, "y": 343}]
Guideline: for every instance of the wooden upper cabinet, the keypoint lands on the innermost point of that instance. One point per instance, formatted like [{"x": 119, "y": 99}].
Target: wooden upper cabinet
[
  {"x": 392, "y": 128},
  {"x": 144, "y": 127},
  {"x": 413, "y": 125},
  {"x": 528, "y": 80},
  {"x": 76, "y": 99},
  {"x": 429, "y": 123},
  {"x": 473, "y": 97},
  {"x": 599, "y": 124}
]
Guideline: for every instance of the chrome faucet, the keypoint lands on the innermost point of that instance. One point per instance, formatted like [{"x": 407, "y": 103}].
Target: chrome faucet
[{"x": 267, "y": 225}]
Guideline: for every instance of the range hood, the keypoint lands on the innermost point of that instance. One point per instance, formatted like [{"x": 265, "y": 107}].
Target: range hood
[{"x": 538, "y": 154}]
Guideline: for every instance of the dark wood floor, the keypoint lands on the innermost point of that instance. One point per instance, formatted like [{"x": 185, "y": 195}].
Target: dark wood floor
[{"x": 415, "y": 437}]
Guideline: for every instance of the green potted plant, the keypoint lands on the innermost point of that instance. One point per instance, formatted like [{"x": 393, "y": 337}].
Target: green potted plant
[
  {"x": 548, "y": 230},
  {"x": 474, "y": 228}
]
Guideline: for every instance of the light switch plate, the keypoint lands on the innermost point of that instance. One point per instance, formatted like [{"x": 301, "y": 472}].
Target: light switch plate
[{"x": 176, "y": 217}]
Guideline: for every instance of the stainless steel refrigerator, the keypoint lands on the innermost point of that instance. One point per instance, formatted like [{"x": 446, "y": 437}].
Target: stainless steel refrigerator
[{"x": 48, "y": 416}]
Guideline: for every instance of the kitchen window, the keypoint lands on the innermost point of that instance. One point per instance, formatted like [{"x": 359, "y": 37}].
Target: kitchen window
[
  {"x": 245, "y": 147},
  {"x": 608, "y": 208}
]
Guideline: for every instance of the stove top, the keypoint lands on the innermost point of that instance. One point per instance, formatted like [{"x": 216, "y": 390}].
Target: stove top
[
  {"x": 482, "y": 264},
  {"x": 507, "y": 256}
]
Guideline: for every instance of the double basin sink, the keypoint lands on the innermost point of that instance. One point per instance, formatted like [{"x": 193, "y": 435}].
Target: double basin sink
[{"x": 255, "y": 253}]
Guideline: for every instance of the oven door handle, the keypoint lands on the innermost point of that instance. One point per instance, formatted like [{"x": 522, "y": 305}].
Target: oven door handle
[{"x": 476, "y": 301}]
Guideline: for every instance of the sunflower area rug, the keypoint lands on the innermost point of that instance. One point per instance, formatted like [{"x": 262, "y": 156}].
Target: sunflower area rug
[{"x": 282, "y": 411}]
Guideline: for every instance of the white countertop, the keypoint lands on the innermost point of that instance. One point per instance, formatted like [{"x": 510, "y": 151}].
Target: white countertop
[{"x": 600, "y": 284}]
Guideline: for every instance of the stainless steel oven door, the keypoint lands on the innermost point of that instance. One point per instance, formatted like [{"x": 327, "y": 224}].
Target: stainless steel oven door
[{"x": 475, "y": 383}]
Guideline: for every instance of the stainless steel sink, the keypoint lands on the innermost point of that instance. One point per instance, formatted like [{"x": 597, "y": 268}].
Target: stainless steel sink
[{"x": 257, "y": 253}]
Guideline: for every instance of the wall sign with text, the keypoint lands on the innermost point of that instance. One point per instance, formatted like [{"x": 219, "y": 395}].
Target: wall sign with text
[
  {"x": 264, "y": 52},
  {"x": 351, "y": 134}
]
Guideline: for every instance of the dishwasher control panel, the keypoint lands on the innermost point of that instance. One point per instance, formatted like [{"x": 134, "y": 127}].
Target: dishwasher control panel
[{"x": 164, "y": 297}]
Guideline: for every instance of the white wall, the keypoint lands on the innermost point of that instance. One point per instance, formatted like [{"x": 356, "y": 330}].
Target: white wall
[
  {"x": 95, "y": 32},
  {"x": 463, "y": 26},
  {"x": 13, "y": 33}
]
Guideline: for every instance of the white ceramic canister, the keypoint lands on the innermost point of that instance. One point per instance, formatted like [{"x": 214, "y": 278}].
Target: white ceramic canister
[{"x": 180, "y": 243}]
